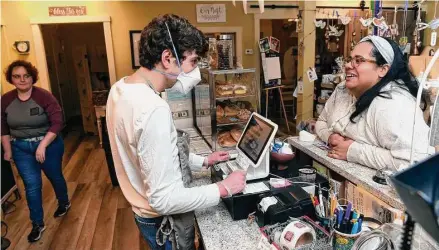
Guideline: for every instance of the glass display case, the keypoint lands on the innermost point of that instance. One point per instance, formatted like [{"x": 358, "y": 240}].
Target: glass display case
[{"x": 223, "y": 103}]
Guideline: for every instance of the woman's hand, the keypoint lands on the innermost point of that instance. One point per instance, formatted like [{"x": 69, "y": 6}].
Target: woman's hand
[
  {"x": 41, "y": 153},
  {"x": 7, "y": 156},
  {"x": 340, "y": 149},
  {"x": 335, "y": 138}
]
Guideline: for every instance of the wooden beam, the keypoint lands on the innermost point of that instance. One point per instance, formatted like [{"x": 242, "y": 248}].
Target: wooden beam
[{"x": 306, "y": 59}]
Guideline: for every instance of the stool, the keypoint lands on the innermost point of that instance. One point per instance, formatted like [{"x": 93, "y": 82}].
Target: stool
[{"x": 279, "y": 88}]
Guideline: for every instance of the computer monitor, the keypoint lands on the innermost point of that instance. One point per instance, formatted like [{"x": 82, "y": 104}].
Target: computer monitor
[{"x": 255, "y": 139}]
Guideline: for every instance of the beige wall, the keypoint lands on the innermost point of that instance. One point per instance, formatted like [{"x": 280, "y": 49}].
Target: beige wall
[{"x": 125, "y": 16}]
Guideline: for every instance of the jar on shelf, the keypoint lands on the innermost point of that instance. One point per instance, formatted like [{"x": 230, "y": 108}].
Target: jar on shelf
[
  {"x": 213, "y": 54},
  {"x": 225, "y": 52}
]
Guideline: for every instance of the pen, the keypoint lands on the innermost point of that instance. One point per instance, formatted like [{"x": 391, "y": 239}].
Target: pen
[
  {"x": 354, "y": 228},
  {"x": 339, "y": 218},
  {"x": 321, "y": 200},
  {"x": 360, "y": 222},
  {"x": 348, "y": 211}
]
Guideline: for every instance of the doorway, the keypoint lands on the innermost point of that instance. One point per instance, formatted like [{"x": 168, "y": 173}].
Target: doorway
[
  {"x": 78, "y": 71},
  {"x": 285, "y": 31}
]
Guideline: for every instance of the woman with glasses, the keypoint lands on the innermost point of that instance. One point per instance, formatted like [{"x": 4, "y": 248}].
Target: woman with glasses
[
  {"x": 31, "y": 125},
  {"x": 369, "y": 118}
]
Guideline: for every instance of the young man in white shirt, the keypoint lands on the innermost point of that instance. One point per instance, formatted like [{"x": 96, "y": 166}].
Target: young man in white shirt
[{"x": 143, "y": 136}]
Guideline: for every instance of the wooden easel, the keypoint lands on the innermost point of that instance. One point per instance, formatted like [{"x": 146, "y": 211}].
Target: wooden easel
[{"x": 279, "y": 88}]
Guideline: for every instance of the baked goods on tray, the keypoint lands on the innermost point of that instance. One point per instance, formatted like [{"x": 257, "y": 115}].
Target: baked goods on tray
[
  {"x": 226, "y": 140},
  {"x": 224, "y": 90},
  {"x": 219, "y": 111},
  {"x": 236, "y": 133},
  {"x": 244, "y": 114},
  {"x": 231, "y": 111},
  {"x": 239, "y": 89}
]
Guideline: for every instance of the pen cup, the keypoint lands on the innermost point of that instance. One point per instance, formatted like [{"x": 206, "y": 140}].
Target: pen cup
[{"x": 342, "y": 241}]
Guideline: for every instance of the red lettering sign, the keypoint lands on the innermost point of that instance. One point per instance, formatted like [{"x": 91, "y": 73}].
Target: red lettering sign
[{"x": 68, "y": 11}]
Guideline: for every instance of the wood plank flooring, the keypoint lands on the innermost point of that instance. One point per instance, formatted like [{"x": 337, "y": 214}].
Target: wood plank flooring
[{"x": 100, "y": 217}]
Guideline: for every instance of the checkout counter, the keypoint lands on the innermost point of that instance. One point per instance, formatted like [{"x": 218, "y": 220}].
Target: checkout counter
[{"x": 217, "y": 229}]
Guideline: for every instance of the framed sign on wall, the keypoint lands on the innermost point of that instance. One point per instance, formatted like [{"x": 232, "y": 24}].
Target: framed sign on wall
[
  {"x": 134, "y": 42},
  {"x": 211, "y": 13}
]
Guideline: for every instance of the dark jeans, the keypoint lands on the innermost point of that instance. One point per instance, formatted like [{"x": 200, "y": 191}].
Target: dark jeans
[
  {"x": 23, "y": 153},
  {"x": 148, "y": 228}
]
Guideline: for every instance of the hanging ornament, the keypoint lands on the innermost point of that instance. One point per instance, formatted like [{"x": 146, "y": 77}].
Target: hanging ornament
[
  {"x": 327, "y": 34},
  {"x": 403, "y": 40},
  {"x": 433, "y": 38},
  {"x": 434, "y": 24},
  {"x": 394, "y": 27},
  {"x": 261, "y": 6},
  {"x": 354, "y": 34},
  {"x": 244, "y": 5},
  {"x": 417, "y": 44},
  {"x": 366, "y": 22},
  {"x": 345, "y": 20},
  {"x": 319, "y": 24}
]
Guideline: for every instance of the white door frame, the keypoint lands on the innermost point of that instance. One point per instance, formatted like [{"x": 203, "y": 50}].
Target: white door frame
[{"x": 41, "y": 53}]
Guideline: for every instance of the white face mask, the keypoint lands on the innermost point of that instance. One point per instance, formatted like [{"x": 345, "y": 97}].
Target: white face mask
[{"x": 185, "y": 81}]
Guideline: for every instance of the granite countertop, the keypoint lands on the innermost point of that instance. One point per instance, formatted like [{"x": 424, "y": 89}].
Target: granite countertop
[
  {"x": 357, "y": 174},
  {"x": 217, "y": 228}
]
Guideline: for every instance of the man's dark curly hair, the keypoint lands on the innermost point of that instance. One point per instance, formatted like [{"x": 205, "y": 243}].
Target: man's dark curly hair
[{"x": 155, "y": 39}]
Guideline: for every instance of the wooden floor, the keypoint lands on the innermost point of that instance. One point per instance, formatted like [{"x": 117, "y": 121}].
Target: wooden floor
[{"x": 100, "y": 217}]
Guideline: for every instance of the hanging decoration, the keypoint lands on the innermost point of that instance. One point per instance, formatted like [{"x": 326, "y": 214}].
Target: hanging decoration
[
  {"x": 244, "y": 5},
  {"x": 394, "y": 26},
  {"x": 354, "y": 34},
  {"x": 320, "y": 24},
  {"x": 261, "y": 6},
  {"x": 327, "y": 34},
  {"x": 345, "y": 20},
  {"x": 366, "y": 22},
  {"x": 403, "y": 40},
  {"x": 419, "y": 26},
  {"x": 299, "y": 22},
  {"x": 434, "y": 24}
]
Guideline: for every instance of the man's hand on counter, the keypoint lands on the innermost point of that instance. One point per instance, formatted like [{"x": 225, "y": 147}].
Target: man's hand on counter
[
  {"x": 233, "y": 184},
  {"x": 216, "y": 157},
  {"x": 340, "y": 149}
]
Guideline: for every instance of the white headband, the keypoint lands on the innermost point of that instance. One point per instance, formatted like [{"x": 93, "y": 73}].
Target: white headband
[{"x": 383, "y": 46}]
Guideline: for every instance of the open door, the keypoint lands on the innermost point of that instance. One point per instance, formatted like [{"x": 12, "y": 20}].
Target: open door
[{"x": 82, "y": 70}]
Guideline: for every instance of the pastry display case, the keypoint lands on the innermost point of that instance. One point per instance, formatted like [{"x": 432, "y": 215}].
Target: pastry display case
[{"x": 223, "y": 103}]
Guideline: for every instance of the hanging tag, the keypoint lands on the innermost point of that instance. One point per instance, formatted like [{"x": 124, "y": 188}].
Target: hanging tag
[
  {"x": 433, "y": 38},
  {"x": 300, "y": 87},
  {"x": 312, "y": 75},
  {"x": 407, "y": 48}
]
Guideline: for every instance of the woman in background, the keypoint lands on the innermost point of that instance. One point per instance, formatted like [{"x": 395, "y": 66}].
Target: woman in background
[
  {"x": 369, "y": 119},
  {"x": 31, "y": 123}
]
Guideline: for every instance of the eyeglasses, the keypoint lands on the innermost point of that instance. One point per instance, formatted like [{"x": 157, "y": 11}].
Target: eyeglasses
[
  {"x": 357, "y": 60},
  {"x": 18, "y": 77}
]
